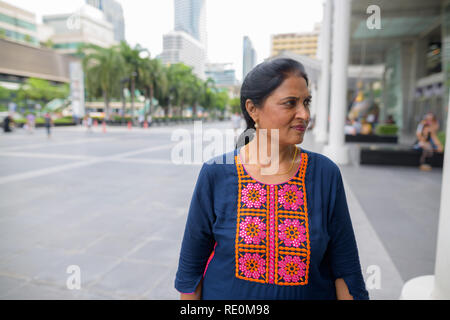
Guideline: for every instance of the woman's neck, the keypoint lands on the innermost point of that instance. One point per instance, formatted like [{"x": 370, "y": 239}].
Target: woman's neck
[{"x": 264, "y": 152}]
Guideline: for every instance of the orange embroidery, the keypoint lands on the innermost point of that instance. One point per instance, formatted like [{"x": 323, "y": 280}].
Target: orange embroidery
[{"x": 272, "y": 232}]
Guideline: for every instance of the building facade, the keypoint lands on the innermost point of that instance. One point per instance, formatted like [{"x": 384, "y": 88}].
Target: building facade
[
  {"x": 178, "y": 46},
  {"x": 249, "y": 57},
  {"x": 304, "y": 43},
  {"x": 17, "y": 24},
  {"x": 223, "y": 74},
  {"x": 86, "y": 26},
  {"x": 114, "y": 14}
]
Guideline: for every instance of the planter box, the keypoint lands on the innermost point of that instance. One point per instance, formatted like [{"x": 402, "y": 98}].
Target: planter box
[
  {"x": 401, "y": 156},
  {"x": 370, "y": 138}
]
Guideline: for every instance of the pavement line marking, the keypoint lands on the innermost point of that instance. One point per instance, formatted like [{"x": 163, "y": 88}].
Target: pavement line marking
[
  {"x": 60, "y": 168},
  {"x": 45, "y": 171},
  {"x": 52, "y": 143},
  {"x": 46, "y": 155}
]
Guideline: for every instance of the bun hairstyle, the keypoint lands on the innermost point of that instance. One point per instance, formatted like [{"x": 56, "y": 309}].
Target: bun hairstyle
[{"x": 259, "y": 83}]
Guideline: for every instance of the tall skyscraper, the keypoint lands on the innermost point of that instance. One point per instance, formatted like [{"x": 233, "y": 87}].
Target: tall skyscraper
[
  {"x": 114, "y": 14},
  {"x": 249, "y": 57},
  {"x": 190, "y": 17},
  {"x": 187, "y": 43}
]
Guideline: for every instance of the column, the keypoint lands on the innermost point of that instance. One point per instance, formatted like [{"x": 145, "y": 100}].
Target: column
[
  {"x": 437, "y": 286},
  {"x": 336, "y": 149},
  {"x": 321, "y": 126}
]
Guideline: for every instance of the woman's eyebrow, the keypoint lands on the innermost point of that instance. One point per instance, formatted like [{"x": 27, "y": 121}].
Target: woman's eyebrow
[{"x": 296, "y": 98}]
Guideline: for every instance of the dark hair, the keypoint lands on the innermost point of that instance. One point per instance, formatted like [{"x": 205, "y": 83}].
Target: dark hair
[{"x": 260, "y": 82}]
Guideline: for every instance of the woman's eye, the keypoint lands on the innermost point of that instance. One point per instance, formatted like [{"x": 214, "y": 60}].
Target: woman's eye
[{"x": 291, "y": 103}]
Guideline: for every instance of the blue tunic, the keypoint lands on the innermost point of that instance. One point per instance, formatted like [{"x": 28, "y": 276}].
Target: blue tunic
[{"x": 250, "y": 240}]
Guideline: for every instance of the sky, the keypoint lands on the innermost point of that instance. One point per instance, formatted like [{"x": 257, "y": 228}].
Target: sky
[{"x": 228, "y": 21}]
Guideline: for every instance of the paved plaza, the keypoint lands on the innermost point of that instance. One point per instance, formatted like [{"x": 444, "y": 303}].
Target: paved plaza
[{"x": 114, "y": 204}]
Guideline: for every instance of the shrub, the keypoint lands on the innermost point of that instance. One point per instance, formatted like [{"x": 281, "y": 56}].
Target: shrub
[{"x": 386, "y": 130}]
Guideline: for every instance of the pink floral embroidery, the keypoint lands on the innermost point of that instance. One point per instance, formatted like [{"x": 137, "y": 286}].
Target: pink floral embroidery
[
  {"x": 252, "y": 265},
  {"x": 252, "y": 230},
  {"x": 292, "y": 233},
  {"x": 291, "y": 268},
  {"x": 253, "y": 195},
  {"x": 290, "y": 197}
]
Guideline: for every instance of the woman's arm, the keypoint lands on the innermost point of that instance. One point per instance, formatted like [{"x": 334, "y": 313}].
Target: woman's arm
[
  {"x": 193, "y": 296},
  {"x": 342, "y": 292}
]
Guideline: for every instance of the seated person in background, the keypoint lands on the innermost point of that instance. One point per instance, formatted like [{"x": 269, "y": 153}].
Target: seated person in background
[
  {"x": 390, "y": 120},
  {"x": 427, "y": 140}
]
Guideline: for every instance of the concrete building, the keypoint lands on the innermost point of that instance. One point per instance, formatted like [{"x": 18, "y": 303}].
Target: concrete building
[
  {"x": 17, "y": 24},
  {"x": 304, "y": 43},
  {"x": 187, "y": 43},
  {"x": 114, "y": 14},
  {"x": 86, "y": 26},
  {"x": 249, "y": 57},
  {"x": 223, "y": 74},
  {"x": 178, "y": 46}
]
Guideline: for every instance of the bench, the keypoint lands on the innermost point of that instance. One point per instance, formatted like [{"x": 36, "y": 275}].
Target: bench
[
  {"x": 370, "y": 138},
  {"x": 397, "y": 156}
]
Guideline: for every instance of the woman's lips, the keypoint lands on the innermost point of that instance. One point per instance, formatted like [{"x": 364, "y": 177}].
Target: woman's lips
[{"x": 300, "y": 128}]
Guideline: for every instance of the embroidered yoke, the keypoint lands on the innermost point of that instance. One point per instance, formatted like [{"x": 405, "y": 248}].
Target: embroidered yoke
[
  {"x": 272, "y": 238},
  {"x": 250, "y": 240}
]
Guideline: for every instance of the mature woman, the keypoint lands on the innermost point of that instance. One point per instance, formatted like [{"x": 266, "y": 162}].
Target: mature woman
[{"x": 273, "y": 229}]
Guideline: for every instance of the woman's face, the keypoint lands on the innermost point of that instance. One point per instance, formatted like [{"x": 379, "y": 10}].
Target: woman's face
[{"x": 286, "y": 109}]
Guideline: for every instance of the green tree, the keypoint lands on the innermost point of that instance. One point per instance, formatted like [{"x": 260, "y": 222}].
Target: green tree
[
  {"x": 180, "y": 78},
  {"x": 153, "y": 81},
  {"x": 103, "y": 67},
  {"x": 41, "y": 90},
  {"x": 235, "y": 105},
  {"x": 135, "y": 65}
]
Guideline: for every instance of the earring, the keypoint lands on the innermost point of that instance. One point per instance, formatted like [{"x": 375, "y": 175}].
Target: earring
[{"x": 256, "y": 125}]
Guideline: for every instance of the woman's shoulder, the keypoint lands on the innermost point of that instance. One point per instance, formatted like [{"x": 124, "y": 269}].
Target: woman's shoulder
[
  {"x": 322, "y": 165},
  {"x": 220, "y": 164},
  {"x": 320, "y": 160}
]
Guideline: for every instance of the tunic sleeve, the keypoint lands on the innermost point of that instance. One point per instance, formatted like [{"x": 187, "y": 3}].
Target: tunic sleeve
[
  {"x": 343, "y": 250},
  {"x": 198, "y": 240}
]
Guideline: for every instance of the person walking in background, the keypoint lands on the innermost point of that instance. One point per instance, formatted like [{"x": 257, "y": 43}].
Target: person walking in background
[
  {"x": 48, "y": 121},
  {"x": 7, "y": 123},
  {"x": 149, "y": 120},
  {"x": 30, "y": 122},
  {"x": 236, "y": 121},
  {"x": 427, "y": 140}
]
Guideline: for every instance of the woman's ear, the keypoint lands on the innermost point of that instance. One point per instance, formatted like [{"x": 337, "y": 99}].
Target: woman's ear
[{"x": 251, "y": 109}]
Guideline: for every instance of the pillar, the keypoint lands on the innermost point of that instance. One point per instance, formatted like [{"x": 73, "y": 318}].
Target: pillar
[
  {"x": 321, "y": 126},
  {"x": 336, "y": 149}
]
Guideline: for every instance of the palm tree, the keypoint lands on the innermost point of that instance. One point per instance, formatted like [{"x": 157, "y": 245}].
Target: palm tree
[
  {"x": 153, "y": 80},
  {"x": 134, "y": 62},
  {"x": 181, "y": 85},
  {"x": 103, "y": 67}
]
